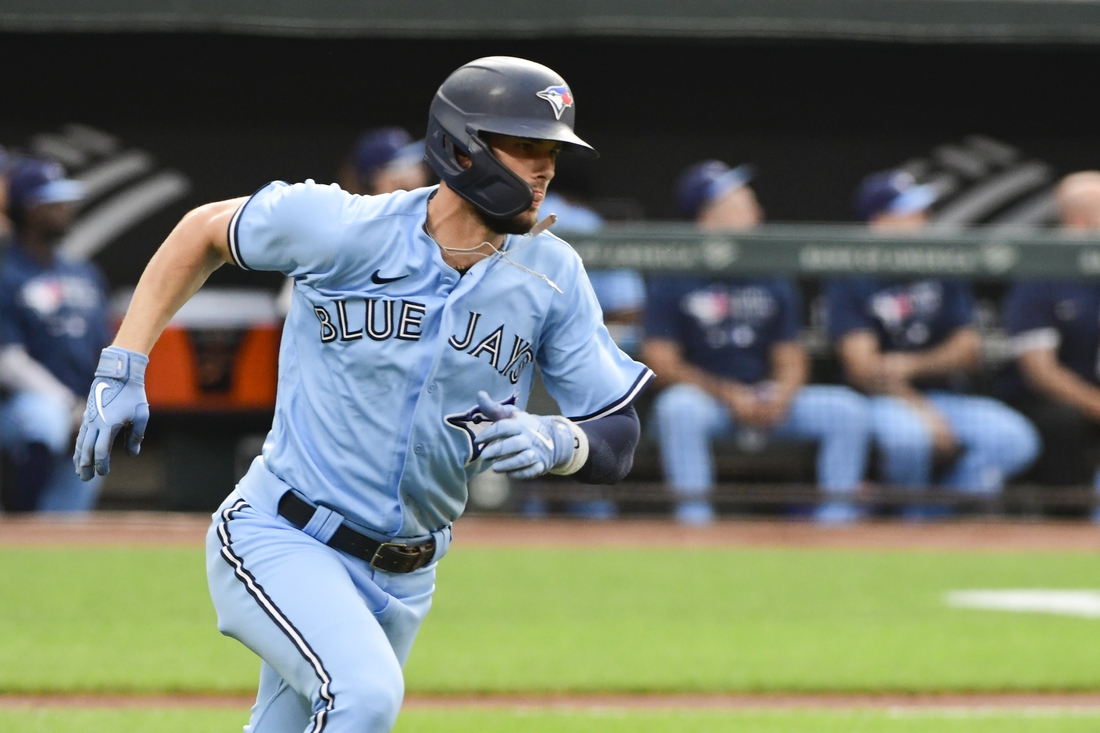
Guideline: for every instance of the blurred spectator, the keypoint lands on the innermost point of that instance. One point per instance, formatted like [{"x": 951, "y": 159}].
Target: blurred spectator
[
  {"x": 383, "y": 161},
  {"x": 1078, "y": 198},
  {"x": 1056, "y": 337},
  {"x": 621, "y": 292},
  {"x": 53, "y": 324},
  {"x": 727, "y": 351},
  {"x": 910, "y": 344},
  {"x": 5, "y": 223}
]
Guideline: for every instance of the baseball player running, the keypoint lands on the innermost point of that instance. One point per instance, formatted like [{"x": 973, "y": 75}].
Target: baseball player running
[{"x": 406, "y": 360}]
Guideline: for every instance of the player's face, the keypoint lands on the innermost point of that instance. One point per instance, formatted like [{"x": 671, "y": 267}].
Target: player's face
[
  {"x": 900, "y": 222},
  {"x": 737, "y": 209},
  {"x": 531, "y": 160},
  {"x": 51, "y": 220}
]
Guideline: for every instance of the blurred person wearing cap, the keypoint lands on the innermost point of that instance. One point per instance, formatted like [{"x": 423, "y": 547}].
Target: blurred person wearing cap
[
  {"x": 383, "y": 161},
  {"x": 53, "y": 324},
  {"x": 1055, "y": 327},
  {"x": 727, "y": 351},
  {"x": 910, "y": 345}
]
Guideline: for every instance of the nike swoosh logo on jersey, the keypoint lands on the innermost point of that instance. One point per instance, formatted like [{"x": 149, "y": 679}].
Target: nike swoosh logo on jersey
[
  {"x": 377, "y": 279},
  {"x": 99, "y": 399}
]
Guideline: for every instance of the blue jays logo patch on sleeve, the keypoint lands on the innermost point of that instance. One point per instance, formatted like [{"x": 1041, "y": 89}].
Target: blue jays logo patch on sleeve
[
  {"x": 472, "y": 422},
  {"x": 558, "y": 97}
]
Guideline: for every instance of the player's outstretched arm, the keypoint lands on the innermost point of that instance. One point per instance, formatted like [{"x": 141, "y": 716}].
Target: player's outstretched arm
[{"x": 195, "y": 248}]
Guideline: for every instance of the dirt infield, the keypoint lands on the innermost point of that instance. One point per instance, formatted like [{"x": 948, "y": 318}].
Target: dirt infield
[
  {"x": 164, "y": 529},
  {"x": 566, "y": 701}
]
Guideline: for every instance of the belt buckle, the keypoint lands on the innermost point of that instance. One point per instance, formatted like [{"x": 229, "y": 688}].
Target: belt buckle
[
  {"x": 407, "y": 557},
  {"x": 402, "y": 551}
]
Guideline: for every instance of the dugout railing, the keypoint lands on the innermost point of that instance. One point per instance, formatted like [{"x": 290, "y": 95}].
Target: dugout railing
[{"x": 776, "y": 477}]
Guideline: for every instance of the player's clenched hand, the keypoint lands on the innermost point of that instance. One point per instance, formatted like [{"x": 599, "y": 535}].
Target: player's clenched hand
[
  {"x": 523, "y": 445},
  {"x": 117, "y": 401}
]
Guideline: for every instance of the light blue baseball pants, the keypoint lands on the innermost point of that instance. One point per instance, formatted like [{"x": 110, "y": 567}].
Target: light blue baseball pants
[
  {"x": 838, "y": 418},
  {"x": 31, "y": 417},
  {"x": 332, "y": 632},
  {"x": 998, "y": 442}
]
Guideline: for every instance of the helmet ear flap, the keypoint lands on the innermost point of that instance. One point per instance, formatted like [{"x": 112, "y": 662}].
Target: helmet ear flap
[
  {"x": 492, "y": 186},
  {"x": 487, "y": 183},
  {"x": 441, "y": 152}
]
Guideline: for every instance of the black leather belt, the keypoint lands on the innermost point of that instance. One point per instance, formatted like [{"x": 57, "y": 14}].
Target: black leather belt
[{"x": 393, "y": 557}]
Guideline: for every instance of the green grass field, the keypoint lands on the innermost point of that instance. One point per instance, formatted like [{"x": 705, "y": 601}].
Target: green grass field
[
  {"x": 610, "y": 721},
  {"x": 600, "y": 620}
]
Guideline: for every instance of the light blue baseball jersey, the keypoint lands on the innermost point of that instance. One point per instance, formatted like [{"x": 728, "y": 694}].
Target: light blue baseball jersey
[{"x": 386, "y": 346}]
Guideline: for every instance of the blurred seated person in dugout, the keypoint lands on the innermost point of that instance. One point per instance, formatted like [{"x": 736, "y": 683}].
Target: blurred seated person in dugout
[
  {"x": 383, "y": 161},
  {"x": 1055, "y": 327},
  {"x": 620, "y": 292},
  {"x": 909, "y": 344},
  {"x": 53, "y": 324},
  {"x": 727, "y": 353}
]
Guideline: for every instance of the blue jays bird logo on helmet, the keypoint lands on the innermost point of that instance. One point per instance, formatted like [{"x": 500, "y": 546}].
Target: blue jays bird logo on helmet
[{"x": 559, "y": 98}]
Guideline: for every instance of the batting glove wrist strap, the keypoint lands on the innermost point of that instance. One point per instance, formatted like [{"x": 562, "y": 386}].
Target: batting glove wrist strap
[
  {"x": 116, "y": 362},
  {"x": 579, "y": 455}
]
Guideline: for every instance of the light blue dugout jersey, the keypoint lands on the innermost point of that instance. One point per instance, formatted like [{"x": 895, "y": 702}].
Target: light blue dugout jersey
[{"x": 385, "y": 348}]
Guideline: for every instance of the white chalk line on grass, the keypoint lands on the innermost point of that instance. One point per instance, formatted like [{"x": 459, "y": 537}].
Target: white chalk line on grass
[{"x": 1080, "y": 603}]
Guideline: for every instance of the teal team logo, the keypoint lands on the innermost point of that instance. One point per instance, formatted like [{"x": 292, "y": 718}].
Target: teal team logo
[{"x": 559, "y": 98}]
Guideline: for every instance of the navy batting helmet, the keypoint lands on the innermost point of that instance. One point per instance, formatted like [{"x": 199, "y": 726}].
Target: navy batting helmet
[{"x": 505, "y": 95}]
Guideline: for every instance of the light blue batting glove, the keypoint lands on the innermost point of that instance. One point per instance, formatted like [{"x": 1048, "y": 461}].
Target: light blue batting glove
[
  {"x": 116, "y": 402},
  {"x": 523, "y": 445}
]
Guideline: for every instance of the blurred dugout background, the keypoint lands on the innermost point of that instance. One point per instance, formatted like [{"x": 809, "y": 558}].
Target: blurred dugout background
[{"x": 989, "y": 101}]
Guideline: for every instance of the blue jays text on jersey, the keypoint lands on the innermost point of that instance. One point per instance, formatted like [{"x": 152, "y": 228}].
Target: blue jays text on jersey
[
  {"x": 375, "y": 318},
  {"x": 385, "y": 348}
]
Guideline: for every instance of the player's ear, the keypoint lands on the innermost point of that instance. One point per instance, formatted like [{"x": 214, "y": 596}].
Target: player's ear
[{"x": 461, "y": 157}]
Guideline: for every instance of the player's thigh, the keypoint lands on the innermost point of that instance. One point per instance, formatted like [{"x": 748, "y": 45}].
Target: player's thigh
[
  {"x": 898, "y": 428},
  {"x": 291, "y": 600},
  {"x": 819, "y": 411},
  {"x": 685, "y": 407},
  {"x": 408, "y": 600},
  {"x": 984, "y": 421}
]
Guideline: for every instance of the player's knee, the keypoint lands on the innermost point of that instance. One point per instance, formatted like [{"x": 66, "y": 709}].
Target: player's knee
[
  {"x": 1014, "y": 441},
  {"x": 911, "y": 442},
  {"x": 370, "y": 703},
  {"x": 43, "y": 419},
  {"x": 849, "y": 412}
]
